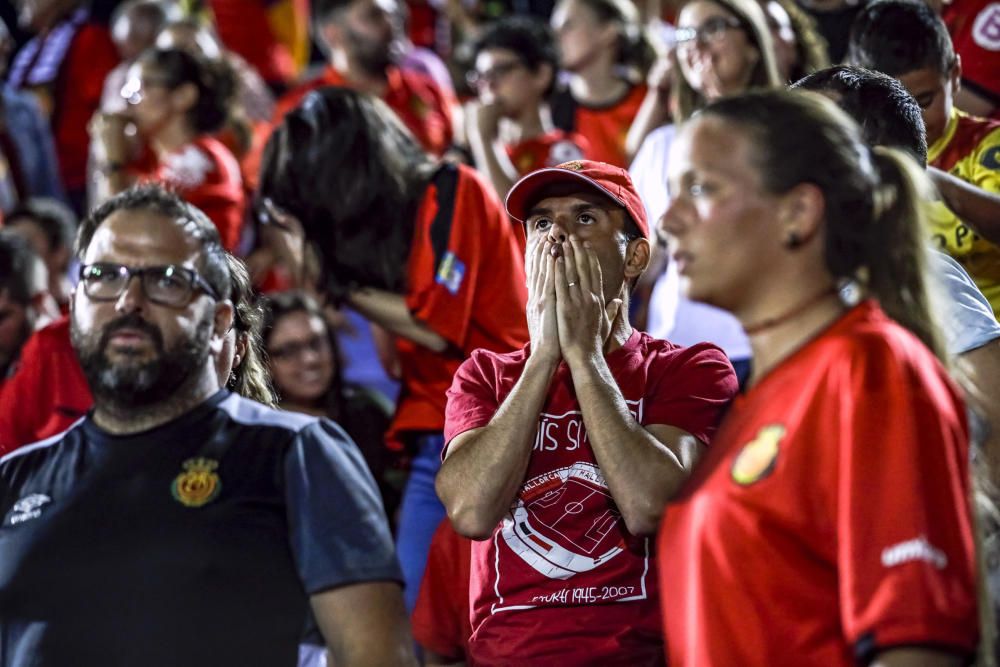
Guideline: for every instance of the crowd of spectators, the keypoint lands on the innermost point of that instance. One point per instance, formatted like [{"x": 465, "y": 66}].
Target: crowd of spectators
[{"x": 552, "y": 267}]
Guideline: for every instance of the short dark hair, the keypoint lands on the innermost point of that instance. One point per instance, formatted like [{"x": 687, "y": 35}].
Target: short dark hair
[
  {"x": 881, "y": 105},
  {"x": 18, "y": 269},
  {"x": 900, "y": 36},
  {"x": 531, "y": 39},
  {"x": 154, "y": 198},
  {"x": 56, "y": 220},
  {"x": 215, "y": 81}
]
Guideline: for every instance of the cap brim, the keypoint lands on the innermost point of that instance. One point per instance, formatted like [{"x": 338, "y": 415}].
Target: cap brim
[{"x": 525, "y": 192}]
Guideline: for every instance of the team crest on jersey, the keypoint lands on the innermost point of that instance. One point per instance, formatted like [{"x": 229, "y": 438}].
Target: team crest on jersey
[
  {"x": 199, "y": 484},
  {"x": 757, "y": 458}
]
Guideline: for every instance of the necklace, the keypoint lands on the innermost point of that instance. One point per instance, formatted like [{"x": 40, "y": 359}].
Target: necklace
[{"x": 794, "y": 312}]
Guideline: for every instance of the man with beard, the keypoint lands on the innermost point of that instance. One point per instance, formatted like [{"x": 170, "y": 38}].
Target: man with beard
[
  {"x": 359, "y": 39},
  {"x": 177, "y": 523}
]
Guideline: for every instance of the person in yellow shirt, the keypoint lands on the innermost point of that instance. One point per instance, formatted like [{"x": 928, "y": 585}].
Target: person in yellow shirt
[{"x": 909, "y": 41}]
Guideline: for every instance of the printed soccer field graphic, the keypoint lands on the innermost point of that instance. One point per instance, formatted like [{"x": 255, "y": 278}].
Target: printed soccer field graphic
[{"x": 564, "y": 523}]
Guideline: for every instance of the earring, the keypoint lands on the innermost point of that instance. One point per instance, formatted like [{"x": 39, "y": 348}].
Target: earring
[
  {"x": 232, "y": 380},
  {"x": 793, "y": 240}
]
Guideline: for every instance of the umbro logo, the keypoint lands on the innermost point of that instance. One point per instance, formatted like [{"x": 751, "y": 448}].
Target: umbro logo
[{"x": 27, "y": 508}]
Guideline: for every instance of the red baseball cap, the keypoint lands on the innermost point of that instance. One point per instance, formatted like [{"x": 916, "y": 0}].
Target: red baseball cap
[{"x": 614, "y": 182}]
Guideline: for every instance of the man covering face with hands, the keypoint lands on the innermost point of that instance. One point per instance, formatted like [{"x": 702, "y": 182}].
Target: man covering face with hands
[{"x": 560, "y": 456}]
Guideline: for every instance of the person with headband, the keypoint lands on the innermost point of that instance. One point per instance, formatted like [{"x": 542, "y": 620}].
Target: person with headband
[{"x": 830, "y": 522}]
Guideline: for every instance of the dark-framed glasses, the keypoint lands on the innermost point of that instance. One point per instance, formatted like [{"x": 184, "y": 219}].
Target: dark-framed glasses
[
  {"x": 711, "y": 31},
  {"x": 166, "y": 285}
]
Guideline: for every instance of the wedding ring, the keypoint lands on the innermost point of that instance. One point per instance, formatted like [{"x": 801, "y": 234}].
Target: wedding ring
[{"x": 570, "y": 284}]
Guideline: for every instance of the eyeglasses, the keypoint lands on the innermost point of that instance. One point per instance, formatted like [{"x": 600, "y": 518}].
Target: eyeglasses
[
  {"x": 133, "y": 91},
  {"x": 165, "y": 285},
  {"x": 476, "y": 78},
  {"x": 709, "y": 32},
  {"x": 294, "y": 349}
]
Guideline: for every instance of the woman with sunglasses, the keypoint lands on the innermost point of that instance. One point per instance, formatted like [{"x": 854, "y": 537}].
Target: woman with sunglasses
[
  {"x": 830, "y": 522},
  {"x": 176, "y": 103},
  {"x": 723, "y": 47}
]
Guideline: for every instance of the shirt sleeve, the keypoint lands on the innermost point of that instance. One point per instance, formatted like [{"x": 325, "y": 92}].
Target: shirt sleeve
[
  {"x": 338, "y": 530},
  {"x": 971, "y": 323},
  {"x": 905, "y": 545},
  {"x": 471, "y": 399},
  {"x": 443, "y": 291},
  {"x": 696, "y": 385}
]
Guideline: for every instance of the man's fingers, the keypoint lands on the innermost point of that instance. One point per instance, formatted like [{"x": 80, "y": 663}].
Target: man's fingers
[
  {"x": 572, "y": 277},
  {"x": 581, "y": 256}
]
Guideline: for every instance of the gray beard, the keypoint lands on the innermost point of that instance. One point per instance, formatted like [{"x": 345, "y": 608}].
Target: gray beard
[{"x": 159, "y": 383}]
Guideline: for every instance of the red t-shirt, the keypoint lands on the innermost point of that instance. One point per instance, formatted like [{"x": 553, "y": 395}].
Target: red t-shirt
[
  {"x": 605, "y": 128},
  {"x": 418, "y": 101},
  {"x": 975, "y": 32},
  {"x": 561, "y": 575},
  {"x": 206, "y": 174},
  {"x": 548, "y": 150},
  {"x": 831, "y": 516},
  {"x": 441, "y": 617},
  {"x": 474, "y": 298},
  {"x": 47, "y": 392}
]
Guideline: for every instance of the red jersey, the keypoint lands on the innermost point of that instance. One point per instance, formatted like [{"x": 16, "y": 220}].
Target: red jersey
[
  {"x": 47, "y": 392},
  {"x": 831, "y": 516},
  {"x": 474, "y": 297},
  {"x": 422, "y": 105},
  {"x": 548, "y": 150},
  {"x": 206, "y": 174},
  {"x": 975, "y": 32},
  {"x": 418, "y": 101},
  {"x": 561, "y": 575},
  {"x": 441, "y": 617},
  {"x": 605, "y": 128}
]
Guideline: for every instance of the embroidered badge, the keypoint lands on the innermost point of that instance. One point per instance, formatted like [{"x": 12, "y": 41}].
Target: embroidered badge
[
  {"x": 575, "y": 165},
  {"x": 757, "y": 458},
  {"x": 199, "y": 484},
  {"x": 27, "y": 508},
  {"x": 450, "y": 273}
]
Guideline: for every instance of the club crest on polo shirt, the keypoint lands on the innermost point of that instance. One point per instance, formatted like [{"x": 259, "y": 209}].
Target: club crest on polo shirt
[
  {"x": 198, "y": 484},
  {"x": 757, "y": 458},
  {"x": 27, "y": 508},
  {"x": 450, "y": 273}
]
